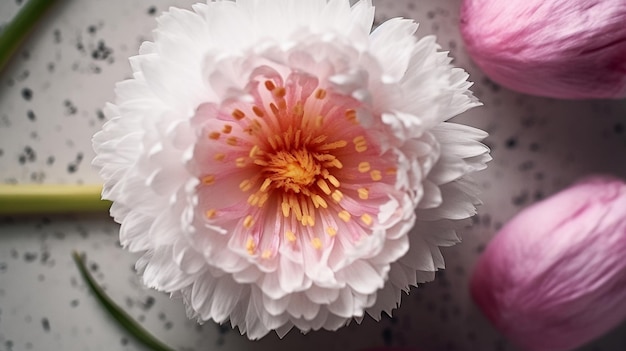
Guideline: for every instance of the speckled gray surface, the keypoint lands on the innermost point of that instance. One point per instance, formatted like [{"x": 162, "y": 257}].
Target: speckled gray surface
[{"x": 50, "y": 101}]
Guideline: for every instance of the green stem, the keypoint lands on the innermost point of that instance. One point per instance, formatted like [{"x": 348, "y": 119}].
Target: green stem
[
  {"x": 116, "y": 312},
  {"x": 19, "y": 28},
  {"x": 22, "y": 198}
]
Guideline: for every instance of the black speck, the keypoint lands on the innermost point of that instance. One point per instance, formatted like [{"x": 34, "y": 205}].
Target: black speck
[
  {"x": 94, "y": 267},
  {"x": 50, "y": 160},
  {"x": 162, "y": 316},
  {"x": 618, "y": 128},
  {"x": 520, "y": 199},
  {"x": 74, "y": 303},
  {"x": 511, "y": 143},
  {"x": 70, "y": 108},
  {"x": 26, "y": 54},
  {"x": 491, "y": 85},
  {"x": 526, "y": 165},
  {"x": 152, "y": 10},
  {"x": 57, "y": 36},
  {"x": 387, "y": 336},
  {"x": 148, "y": 303},
  {"x": 31, "y": 115},
  {"x": 45, "y": 324},
  {"x": 21, "y": 159},
  {"x": 27, "y": 94},
  {"x": 534, "y": 147},
  {"x": 3, "y": 267},
  {"x": 124, "y": 341},
  {"x": 539, "y": 195},
  {"x": 30, "y": 256},
  {"x": 51, "y": 67},
  {"x": 22, "y": 76},
  {"x": 79, "y": 157},
  {"x": 71, "y": 168},
  {"x": 168, "y": 325},
  {"x": 430, "y": 14},
  {"x": 92, "y": 29},
  {"x": 100, "y": 115},
  {"x": 8, "y": 344},
  {"x": 102, "y": 52}
]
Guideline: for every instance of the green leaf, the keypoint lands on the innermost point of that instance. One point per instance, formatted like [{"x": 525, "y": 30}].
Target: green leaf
[
  {"x": 116, "y": 312},
  {"x": 19, "y": 28}
]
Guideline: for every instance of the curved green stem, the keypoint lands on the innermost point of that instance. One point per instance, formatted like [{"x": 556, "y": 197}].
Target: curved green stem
[
  {"x": 116, "y": 312},
  {"x": 18, "y": 29}
]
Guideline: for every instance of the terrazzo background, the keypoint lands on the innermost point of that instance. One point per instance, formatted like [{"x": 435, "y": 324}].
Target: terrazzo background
[{"x": 50, "y": 100}]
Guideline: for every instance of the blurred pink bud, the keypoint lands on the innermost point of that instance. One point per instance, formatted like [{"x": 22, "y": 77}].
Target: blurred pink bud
[
  {"x": 554, "y": 277},
  {"x": 557, "y": 48}
]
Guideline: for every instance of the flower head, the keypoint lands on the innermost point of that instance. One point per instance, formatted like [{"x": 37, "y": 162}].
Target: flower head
[
  {"x": 270, "y": 159},
  {"x": 553, "y": 278}
]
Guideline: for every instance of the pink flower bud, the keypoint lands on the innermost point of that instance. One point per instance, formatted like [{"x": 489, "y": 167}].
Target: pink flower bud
[
  {"x": 554, "y": 277},
  {"x": 557, "y": 48}
]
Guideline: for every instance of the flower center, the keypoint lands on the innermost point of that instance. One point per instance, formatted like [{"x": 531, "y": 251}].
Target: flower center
[
  {"x": 294, "y": 170},
  {"x": 297, "y": 152}
]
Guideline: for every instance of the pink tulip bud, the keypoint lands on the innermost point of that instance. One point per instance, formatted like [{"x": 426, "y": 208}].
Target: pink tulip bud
[
  {"x": 557, "y": 48},
  {"x": 554, "y": 277}
]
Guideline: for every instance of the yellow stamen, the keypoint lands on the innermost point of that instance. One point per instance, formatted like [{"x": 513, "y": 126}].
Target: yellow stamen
[
  {"x": 263, "y": 199},
  {"x": 266, "y": 184},
  {"x": 227, "y": 128},
  {"x": 364, "y": 167},
  {"x": 376, "y": 175},
  {"x": 321, "y": 183},
  {"x": 334, "y": 145},
  {"x": 214, "y": 135},
  {"x": 250, "y": 246},
  {"x": 331, "y": 231},
  {"x": 333, "y": 181},
  {"x": 320, "y": 94},
  {"x": 285, "y": 208},
  {"x": 266, "y": 254},
  {"x": 254, "y": 151},
  {"x": 238, "y": 114},
  {"x": 291, "y": 237},
  {"x": 240, "y": 162},
  {"x": 260, "y": 162},
  {"x": 245, "y": 185},
  {"x": 269, "y": 85},
  {"x": 257, "y": 111},
  {"x": 208, "y": 179},
  {"x": 319, "y": 201},
  {"x": 280, "y": 92},
  {"x": 367, "y": 219},
  {"x": 219, "y": 157},
  {"x": 337, "y": 195},
  {"x": 391, "y": 171},
  {"x": 232, "y": 141},
  {"x": 317, "y": 243},
  {"x": 248, "y": 221},
  {"x": 253, "y": 199},
  {"x": 351, "y": 116},
  {"x": 209, "y": 214},
  {"x": 319, "y": 120},
  {"x": 344, "y": 215},
  {"x": 363, "y": 193}
]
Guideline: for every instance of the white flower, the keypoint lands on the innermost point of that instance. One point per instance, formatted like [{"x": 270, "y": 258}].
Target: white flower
[{"x": 280, "y": 166}]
